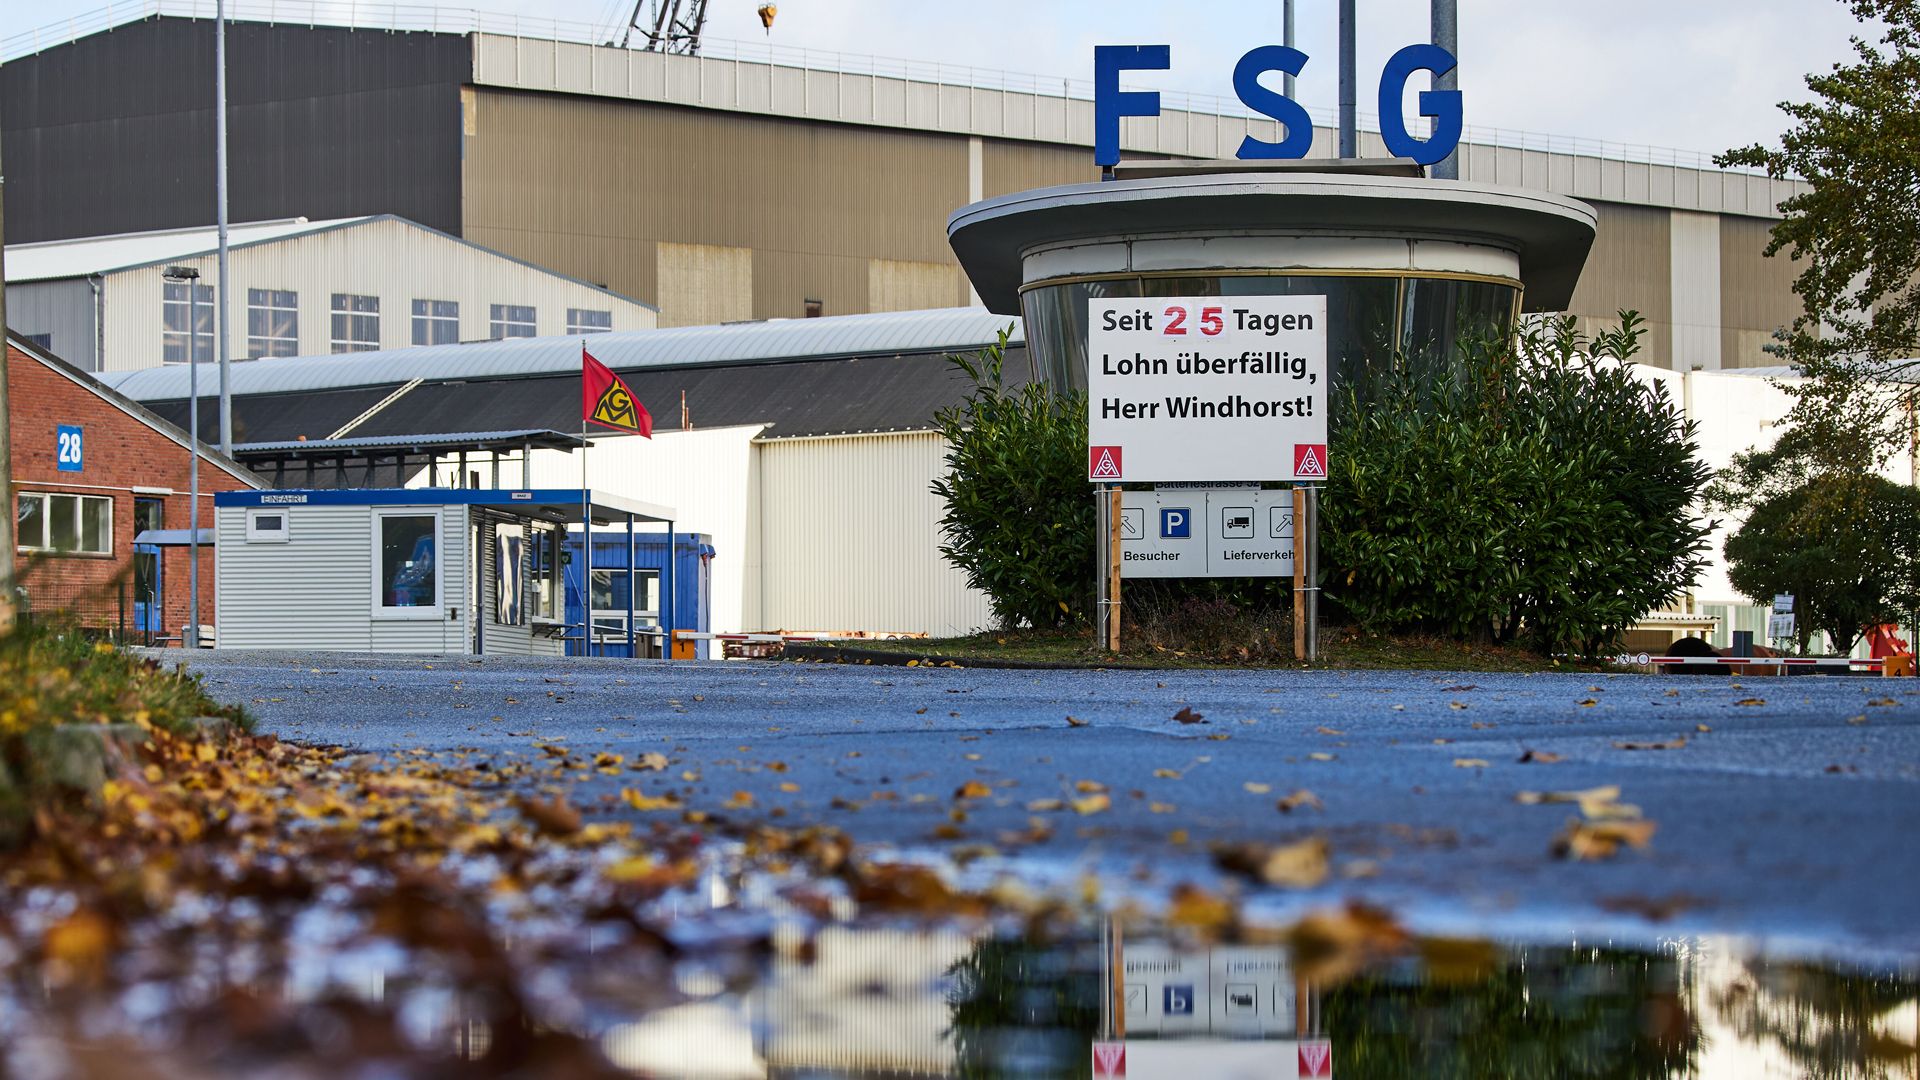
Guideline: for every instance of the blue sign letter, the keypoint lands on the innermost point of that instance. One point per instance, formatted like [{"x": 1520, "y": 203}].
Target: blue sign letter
[
  {"x": 1177, "y": 1000},
  {"x": 1176, "y": 523},
  {"x": 1109, "y": 104},
  {"x": 1246, "y": 83},
  {"x": 70, "y": 453},
  {"x": 1443, "y": 105}
]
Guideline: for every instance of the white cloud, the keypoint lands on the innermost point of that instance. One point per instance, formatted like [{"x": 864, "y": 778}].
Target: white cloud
[{"x": 1694, "y": 74}]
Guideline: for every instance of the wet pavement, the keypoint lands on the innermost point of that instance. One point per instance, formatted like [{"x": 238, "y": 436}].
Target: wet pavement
[{"x": 1785, "y": 806}]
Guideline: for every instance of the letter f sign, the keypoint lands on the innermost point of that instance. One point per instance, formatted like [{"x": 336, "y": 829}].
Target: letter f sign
[{"x": 1109, "y": 104}]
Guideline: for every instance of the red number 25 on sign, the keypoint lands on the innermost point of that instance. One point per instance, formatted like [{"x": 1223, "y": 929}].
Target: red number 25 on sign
[{"x": 1176, "y": 321}]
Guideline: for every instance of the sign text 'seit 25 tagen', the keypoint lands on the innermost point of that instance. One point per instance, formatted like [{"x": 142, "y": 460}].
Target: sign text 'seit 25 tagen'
[{"x": 1207, "y": 388}]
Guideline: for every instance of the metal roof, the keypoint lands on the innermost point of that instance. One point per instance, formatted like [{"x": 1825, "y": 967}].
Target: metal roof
[
  {"x": 52, "y": 259},
  {"x": 541, "y": 438},
  {"x": 774, "y": 339},
  {"x": 560, "y": 504}
]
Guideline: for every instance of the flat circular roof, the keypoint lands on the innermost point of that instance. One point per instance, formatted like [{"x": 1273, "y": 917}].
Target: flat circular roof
[{"x": 1551, "y": 233}]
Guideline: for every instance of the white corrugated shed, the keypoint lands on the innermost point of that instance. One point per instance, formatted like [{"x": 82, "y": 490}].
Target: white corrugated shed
[
  {"x": 949, "y": 329},
  {"x": 850, "y": 537},
  {"x": 389, "y": 259}
]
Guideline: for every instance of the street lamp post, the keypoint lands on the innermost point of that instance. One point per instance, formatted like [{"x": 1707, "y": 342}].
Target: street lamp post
[{"x": 191, "y": 278}]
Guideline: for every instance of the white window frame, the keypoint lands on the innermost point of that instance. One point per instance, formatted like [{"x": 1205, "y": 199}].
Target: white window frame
[
  {"x": 501, "y": 324},
  {"x": 425, "y": 613},
  {"x": 271, "y": 344},
  {"x": 578, "y": 325},
  {"x": 348, "y": 343},
  {"x": 257, "y": 535},
  {"x": 46, "y": 518}
]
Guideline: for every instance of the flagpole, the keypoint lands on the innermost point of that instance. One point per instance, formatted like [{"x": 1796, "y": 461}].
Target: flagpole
[{"x": 586, "y": 526}]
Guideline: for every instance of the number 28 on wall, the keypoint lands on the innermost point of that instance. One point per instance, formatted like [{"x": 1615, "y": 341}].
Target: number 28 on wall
[
  {"x": 69, "y": 455},
  {"x": 1176, "y": 321}
]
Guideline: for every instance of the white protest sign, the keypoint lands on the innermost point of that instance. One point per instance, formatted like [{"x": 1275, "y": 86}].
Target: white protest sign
[{"x": 1207, "y": 388}]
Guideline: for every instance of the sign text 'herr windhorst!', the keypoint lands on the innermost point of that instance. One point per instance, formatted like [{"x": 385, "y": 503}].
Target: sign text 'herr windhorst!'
[{"x": 1207, "y": 388}]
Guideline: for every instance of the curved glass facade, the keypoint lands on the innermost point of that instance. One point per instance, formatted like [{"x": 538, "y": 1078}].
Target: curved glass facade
[{"x": 1372, "y": 316}]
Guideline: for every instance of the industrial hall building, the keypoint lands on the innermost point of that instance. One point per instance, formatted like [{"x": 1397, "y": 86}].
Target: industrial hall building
[{"x": 746, "y": 182}]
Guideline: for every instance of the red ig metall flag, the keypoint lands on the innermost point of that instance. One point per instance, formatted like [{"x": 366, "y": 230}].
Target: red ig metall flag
[{"x": 606, "y": 400}]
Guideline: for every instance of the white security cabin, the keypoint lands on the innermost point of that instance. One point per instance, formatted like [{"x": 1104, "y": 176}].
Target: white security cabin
[{"x": 424, "y": 570}]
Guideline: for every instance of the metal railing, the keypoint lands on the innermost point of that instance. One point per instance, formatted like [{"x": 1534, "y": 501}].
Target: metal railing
[{"x": 435, "y": 18}]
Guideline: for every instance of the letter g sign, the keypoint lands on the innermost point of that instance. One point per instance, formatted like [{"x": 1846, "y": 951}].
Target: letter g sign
[{"x": 1443, "y": 105}]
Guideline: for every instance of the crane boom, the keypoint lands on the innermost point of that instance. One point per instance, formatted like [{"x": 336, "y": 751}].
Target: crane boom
[{"x": 675, "y": 25}]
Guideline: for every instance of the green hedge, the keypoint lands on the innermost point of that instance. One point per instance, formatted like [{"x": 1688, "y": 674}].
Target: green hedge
[{"x": 1532, "y": 490}]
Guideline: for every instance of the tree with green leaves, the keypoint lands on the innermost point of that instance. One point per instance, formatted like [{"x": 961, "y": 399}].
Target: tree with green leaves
[
  {"x": 1851, "y": 564},
  {"x": 1857, "y": 232},
  {"x": 1020, "y": 517}
]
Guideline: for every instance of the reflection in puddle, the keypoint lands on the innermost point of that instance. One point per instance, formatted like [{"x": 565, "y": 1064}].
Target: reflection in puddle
[{"x": 869, "y": 1002}]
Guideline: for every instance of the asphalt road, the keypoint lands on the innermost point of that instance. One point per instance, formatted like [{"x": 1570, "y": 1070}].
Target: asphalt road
[{"x": 1792, "y": 821}]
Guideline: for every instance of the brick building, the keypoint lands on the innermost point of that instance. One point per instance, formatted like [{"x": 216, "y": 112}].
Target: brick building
[{"x": 91, "y": 470}]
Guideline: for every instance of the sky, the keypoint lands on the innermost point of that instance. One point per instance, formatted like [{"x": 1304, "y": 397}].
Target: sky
[{"x": 1698, "y": 75}]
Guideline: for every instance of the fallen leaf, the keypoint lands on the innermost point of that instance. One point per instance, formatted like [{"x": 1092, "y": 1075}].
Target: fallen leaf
[
  {"x": 1195, "y": 907},
  {"x": 1701, "y": 727},
  {"x": 1162, "y": 807},
  {"x": 740, "y": 800},
  {"x": 1397, "y": 708},
  {"x": 1186, "y": 715},
  {"x": 1168, "y": 774},
  {"x": 1328, "y": 731},
  {"x": 1321, "y": 757},
  {"x": 1093, "y": 804},
  {"x": 1438, "y": 742},
  {"x": 689, "y": 775},
  {"x": 1088, "y": 787},
  {"x": 1544, "y": 757},
  {"x": 1674, "y": 743},
  {"x": 1257, "y": 789},
  {"x": 1861, "y": 719},
  {"x": 640, "y": 801},
  {"x": 1470, "y": 763},
  {"x": 1884, "y": 701},
  {"x": 1762, "y": 701},
  {"x": 1597, "y": 803},
  {"x": 972, "y": 789},
  {"x": 552, "y": 818},
  {"x": 1071, "y": 722},
  {"x": 789, "y": 786},
  {"x": 1218, "y": 738},
  {"x": 1461, "y": 686},
  {"x": 1041, "y": 805},
  {"x": 1588, "y": 702},
  {"x": 1296, "y": 866},
  {"x": 1300, "y": 798},
  {"x": 1456, "y": 705},
  {"x": 1594, "y": 840}
]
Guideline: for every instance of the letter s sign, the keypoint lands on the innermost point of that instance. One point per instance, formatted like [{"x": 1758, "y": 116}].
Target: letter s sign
[{"x": 1443, "y": 105}]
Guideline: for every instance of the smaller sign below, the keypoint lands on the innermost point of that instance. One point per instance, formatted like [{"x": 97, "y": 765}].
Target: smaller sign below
[
  {"x": 1232, "y": 532},
  {"x": 1209, "y": 485},
  {"x": 71, "y": 449},
  {"x": 1782, "y": 602},
  {"x": 1780, "y": 626}
]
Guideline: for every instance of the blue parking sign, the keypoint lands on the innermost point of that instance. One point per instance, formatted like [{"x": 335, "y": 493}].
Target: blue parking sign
[
  {"x": 1176, "y": 523},
  {"x": 1177, "y": 1000},
  {"x": 70, "y": 449}
]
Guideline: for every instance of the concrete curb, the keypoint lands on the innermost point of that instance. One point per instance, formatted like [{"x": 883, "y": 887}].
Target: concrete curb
[{"x": 841, "y": 654}]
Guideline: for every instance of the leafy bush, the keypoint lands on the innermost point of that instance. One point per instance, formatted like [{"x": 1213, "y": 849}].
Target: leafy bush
[
  {"x": 1020, "y": 517},
  {"x": 1848, "y": 549},
  {"x": 1532, "y": 490}
]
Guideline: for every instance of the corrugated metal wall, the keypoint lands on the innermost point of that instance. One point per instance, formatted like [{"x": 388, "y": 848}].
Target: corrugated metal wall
[
  {"x": 388, "y": 259},
  {"x": 113, "y": 133},
  {"x": 315, "y": 591},
  {"x": 1756, "y": 294},
  {"x": 850, "y": 535},
  {"x": 588, "y": 186},
  {"x": 1630, "y": 268}
]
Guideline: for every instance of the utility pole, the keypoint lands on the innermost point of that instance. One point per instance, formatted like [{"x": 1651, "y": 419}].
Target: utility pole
[
  {"x": 1349, "y": 75},
  {"x": 1446, "y": 34},
  {"x": 7, "y": 592},
  {"x": 220, "y": 153}
]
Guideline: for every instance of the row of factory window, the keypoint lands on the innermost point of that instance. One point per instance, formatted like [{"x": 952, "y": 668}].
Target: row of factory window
[{"x": 273, "y": 322}]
